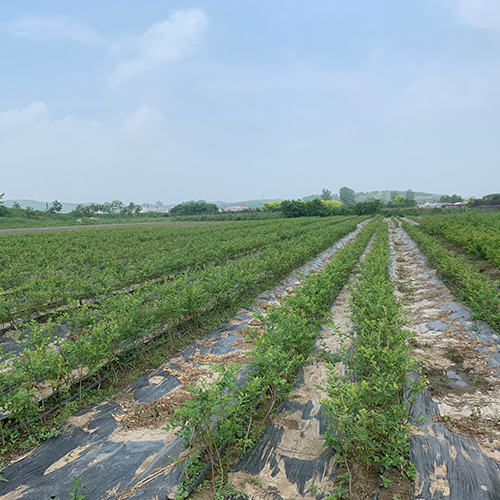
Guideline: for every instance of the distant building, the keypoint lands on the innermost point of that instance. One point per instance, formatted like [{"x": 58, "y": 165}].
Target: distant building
[
  {"x": 236, "y": 208},
  {"x": 459, "y": 204},
  {"x": 150, "y": 207}
]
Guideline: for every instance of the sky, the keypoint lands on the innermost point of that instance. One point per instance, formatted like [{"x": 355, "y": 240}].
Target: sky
[{"x": 247, "y": 99}]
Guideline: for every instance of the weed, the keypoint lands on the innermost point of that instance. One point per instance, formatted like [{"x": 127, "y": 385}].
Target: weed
[
  {"x": 312, "y": 489},
  {"x": 256, "y": 480}
]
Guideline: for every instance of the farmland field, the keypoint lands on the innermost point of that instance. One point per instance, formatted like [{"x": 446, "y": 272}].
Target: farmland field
[{"x": 413, "y": 322}]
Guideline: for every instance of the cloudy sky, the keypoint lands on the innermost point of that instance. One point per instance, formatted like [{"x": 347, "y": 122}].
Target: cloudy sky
[{"x": 243, "y": 99}]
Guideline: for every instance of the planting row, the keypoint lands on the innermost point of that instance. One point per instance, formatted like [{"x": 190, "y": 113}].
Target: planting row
[
  {"x": 279, "y": 352},
  {"x": 49, "y": 270},
  {"x": 472, "y": 287},
  {"x": 367, "y": 404},
  {"x": 477, "y": 233},
  {"x": 99, "y": 334}
]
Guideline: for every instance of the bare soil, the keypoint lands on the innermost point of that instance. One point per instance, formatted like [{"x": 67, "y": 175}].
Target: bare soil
[{"x": 459, "y": 377}]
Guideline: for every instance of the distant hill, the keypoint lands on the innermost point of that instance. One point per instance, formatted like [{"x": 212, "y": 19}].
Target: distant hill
[
  {"x": 42, "y": 205},
  {"x": 247, "y": 203},
  {"x": 420, "y": 197},
  {"x": 385, "y": 196}
]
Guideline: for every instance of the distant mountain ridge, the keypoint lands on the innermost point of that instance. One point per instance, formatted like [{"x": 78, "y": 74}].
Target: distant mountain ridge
[
  {"x": 42, "y": 205},
  {"x": 420, "y": 197}
]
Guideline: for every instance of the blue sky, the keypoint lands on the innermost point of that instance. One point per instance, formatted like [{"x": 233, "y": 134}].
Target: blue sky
[{"x": 239, "y": 99}]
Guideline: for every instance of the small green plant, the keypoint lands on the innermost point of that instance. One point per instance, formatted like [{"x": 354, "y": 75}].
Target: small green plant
[
  {"x": 256, "y": 480},
  {"x": 312, "y": 489},
  {"x": 77, "y": 491},
  {"x": 338, "y": 493},
  {"x": 385, "y": 481}
]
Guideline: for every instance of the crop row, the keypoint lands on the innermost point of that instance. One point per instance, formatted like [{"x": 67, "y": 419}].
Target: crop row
[
  {"x": 477, "y": 233},
  {"x": 468, "y": 284},
  {"x": 98, "y": 334},
  {"x": 56, "y": 269},
  {"x": 289, "y": 336},
  {"x": 367, "y": 404}
]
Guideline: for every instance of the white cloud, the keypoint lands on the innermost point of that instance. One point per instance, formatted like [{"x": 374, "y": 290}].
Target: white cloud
[
  {"x": 479, "y": 13},
  {"x": 86, "y": 160},
  {"x": 144, "y": 117},
  {"x": 46, "y": 27},
  {"x": 35, "y": 113},
  {"x": 172, "y": 39}
]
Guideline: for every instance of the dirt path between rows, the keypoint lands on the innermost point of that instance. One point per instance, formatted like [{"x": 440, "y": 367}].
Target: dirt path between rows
[
  {"x": 456, "y": 450},
  {"x": 290, "y": 461}
]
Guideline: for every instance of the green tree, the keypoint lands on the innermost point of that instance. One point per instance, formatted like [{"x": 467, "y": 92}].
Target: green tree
[
  {"x": 195, "y": 208},
  {"x": 326, "y": 194},
  {"x": 368, "y": 207},
  {"x": 30, "y": 212},
  {"x": 55, "y": 208},
  {"x": 454, "y": 198},
  {"x": 393, "y": 195},
  {"x": 410, "y": 195},
  {"x": 3, "y": 210},
  {"x": 347, "y": 195}
]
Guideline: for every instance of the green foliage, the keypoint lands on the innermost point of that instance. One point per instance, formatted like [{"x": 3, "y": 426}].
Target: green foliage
[
  {"x": 312, "y": 208},
  {"x": 367, "y": 405},
  {"x": 347, "y": 196},
  {"x": 492, "y": 200},
  {"x": 272, "y": 206},
  {"x": 326, "y": 194},
  {"x": 194, "y": 208},
  {"x": 110, "y": 207},
  {"x": 184, "y": 276},
  {"x": 219, "y": 412},
  {"x": 3, "y": 210},
  {"x": 454, "y": 198},
  {"x": 77, "y": 491},
  {"x": 410, "y": 195},
  {"x": 477, "y": 233},
  {"x": 465, "y": 281},
  {"x": 369, "y": 207},
  {"x": 55, "y": 208}
]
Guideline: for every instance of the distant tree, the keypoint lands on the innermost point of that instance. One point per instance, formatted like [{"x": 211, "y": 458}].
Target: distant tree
[
  {"x": 454, "y": 198},
  {"x": 117, "y": 206},
  {"x": 106, "y": 207},
  {"x": 271, "y": 206},
  {"x": 326, "y": 194},
  {"x": 311, "y": 197},
  {"x": 347, "y": 195},
  {"x": 55, "y": 208},
  {"x": 400, "y": 201},
  {"x": 3, "y": 210},
  {"x": 489, "y": 199},
  {"x": 312, "y": 208},
  {"x": 195, "y": 208},
  {"x": 368, "y": 207},
  {"x": 293, "y": 208},
  {"x": 16, "y": 205},
  {"x": 131, "y": 209},
  {"x": 410, "y": 195},
  {"x": 334, "y": 207},
  {"x": 159, "y": 203},
  {"x": 30, "y": 212},
  {"x": 393, "y": 194}
]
